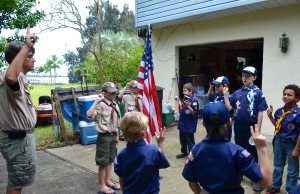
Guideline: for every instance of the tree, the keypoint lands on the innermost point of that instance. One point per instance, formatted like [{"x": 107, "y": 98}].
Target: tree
[
  {"x": 111, "y": 21},
  {"x": 3, "y": 44},
  {"x": 111, "y": 17},
  {"x": 66, "y": 15},
  {"x": 72, "y": 60},
  {"x": 89, "y": 66},
  {"x": 127, "y": 20},
  {"x": 16, "y": 14},
  {"x": 102, "y": 16},
  {"x": 122, "y": 53},
  {"x": 51, "y": 64}
]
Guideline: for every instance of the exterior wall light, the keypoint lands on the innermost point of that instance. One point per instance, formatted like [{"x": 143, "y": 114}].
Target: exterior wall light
[{"x": 284, "y": 43}]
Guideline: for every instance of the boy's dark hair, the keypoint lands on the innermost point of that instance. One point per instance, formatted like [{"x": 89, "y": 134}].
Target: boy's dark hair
[
  {"x": 189, "y": 87},
  {"x": 215, "y": 118},
  {"x": 12, "y": 50},
  {"x": 221, "y": 130},
  {"x": 295, "y": 88}
]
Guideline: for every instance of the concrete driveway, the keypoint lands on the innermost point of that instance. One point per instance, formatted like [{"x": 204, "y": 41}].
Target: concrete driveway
[{"x": 72, "y": 169}]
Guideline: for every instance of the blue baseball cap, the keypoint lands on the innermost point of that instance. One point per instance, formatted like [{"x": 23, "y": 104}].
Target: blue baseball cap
[
  {"x": 220, "y": 80},
  {"x": 250, "y": 70},
  {"x": 215, "y": 113}
]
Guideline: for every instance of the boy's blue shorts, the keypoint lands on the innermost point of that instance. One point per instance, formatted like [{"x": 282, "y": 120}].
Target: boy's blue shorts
[{"x": 20, "y": 155}]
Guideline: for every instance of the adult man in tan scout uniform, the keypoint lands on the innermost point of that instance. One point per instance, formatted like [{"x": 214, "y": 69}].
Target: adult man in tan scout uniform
[
  {"x": 17, "y": 115},
  {"x": 132, "y": 101}
]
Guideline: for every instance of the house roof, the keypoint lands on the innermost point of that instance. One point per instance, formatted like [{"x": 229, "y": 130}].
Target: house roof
[{"x": 184, "y": 12}]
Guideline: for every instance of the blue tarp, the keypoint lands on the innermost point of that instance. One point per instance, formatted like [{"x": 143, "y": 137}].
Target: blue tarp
[{"x": 69, "y": 110}]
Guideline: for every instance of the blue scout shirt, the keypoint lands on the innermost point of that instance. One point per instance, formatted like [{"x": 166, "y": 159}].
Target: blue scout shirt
[
  {"x": 188, "y": 122},
  {"x": 216, "y": 97},
  {"x": 139, "y": 165},
  {"x": 219, "y": 165},
  {"x": 247, "y": 102},
  {"x": 295, "y": 190},
  {"x": 290, "y": 126}
]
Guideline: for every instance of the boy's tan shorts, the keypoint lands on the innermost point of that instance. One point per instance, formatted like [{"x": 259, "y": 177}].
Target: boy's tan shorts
[{"x": 106, "y": 149}]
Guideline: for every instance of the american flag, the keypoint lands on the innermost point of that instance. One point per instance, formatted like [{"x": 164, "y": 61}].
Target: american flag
[{"x": 147, "y": 88}]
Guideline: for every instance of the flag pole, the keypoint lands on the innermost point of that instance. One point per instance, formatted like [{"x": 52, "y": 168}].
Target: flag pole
[{"x": 147, "y": 89}]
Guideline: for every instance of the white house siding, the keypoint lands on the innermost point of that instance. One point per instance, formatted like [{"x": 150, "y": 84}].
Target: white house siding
[{"x": 279, "y": 69}]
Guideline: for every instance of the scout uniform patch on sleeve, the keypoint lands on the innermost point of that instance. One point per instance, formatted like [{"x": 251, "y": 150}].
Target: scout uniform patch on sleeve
[
  {"x": 246, "y": 153},
  {"x": 189, "y": 158},
  {"x": 195, "y": 105}
]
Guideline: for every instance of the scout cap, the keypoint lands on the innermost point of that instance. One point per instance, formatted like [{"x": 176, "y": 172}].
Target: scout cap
[
  {"x": 133, "y": 84},
  {"x": 220, "y": 80},
  {"x": 215, "y": 113},
  {"x": 109, "y": 86},
  {"x": 250, "y": 70}
]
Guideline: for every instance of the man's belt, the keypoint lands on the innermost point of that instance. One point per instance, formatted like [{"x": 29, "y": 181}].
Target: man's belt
[{"x": 17, "y": 134}]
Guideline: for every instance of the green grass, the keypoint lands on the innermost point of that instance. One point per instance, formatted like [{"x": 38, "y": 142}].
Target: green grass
[
  {"x": 45, "y": 90},
  {"x": 44, "y": 136}
]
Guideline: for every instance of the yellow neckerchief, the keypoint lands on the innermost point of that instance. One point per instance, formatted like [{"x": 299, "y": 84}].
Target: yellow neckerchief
[{"x": 280, "y": 120}]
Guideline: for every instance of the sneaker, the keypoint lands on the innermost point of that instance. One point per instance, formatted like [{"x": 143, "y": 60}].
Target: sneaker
[
  {"x": 273, "y": 190},
  {"x": 256, "y": 187},
  {"x": 182, "y": 155}
]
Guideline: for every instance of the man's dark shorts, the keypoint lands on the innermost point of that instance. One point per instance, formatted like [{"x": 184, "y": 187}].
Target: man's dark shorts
[
  {"x": 20, "y": 156},
  {"x": 106, "y": 149}
]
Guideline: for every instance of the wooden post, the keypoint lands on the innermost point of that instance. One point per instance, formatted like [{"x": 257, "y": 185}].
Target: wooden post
[
  {"x": 63, "y": 130},
  {"x": 75, "y": 102}
]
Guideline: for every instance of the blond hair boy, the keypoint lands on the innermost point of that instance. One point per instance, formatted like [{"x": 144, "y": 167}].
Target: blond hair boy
[{"x": 138, "y": 164}]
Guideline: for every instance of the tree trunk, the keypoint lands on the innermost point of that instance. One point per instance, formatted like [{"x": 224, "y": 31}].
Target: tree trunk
[
  {"x": 55, "y": 75},
  {"x": 50, "y": 76},
  {"x": 99, "y": 60}
]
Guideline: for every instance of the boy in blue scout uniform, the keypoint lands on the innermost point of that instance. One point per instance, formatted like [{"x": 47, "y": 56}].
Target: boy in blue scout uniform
[
  {"x": 220, "y": 84},
  {"x": 188, "y": 119},
  {"x": 287, "y": 140},
  {"x": 106, "y": 114},
  {"x": 218, "y": 165},
  {"x": 138, "y": 164},
  {"x": 248, "y": 104},
  {"x": 295, "y": 190}
]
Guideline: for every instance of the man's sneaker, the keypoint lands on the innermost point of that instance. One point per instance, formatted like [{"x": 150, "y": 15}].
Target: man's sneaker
[
  {"x": 256, "y": 187},
  {"x": 273, "y": 190},
  {"x": 182, "y": 155}
]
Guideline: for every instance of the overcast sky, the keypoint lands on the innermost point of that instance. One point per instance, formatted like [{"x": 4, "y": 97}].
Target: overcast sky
[{"x": 59, "y": 42}]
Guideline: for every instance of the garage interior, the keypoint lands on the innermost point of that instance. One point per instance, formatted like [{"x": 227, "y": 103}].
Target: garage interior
[{"x": 200, "y": 64}]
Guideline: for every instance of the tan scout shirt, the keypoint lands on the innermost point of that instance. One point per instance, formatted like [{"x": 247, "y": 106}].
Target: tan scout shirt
[
  {"x": 129, "y": 102},
  {"x": 103, "y": 119},
  {"x": 16, "y": 108}
]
